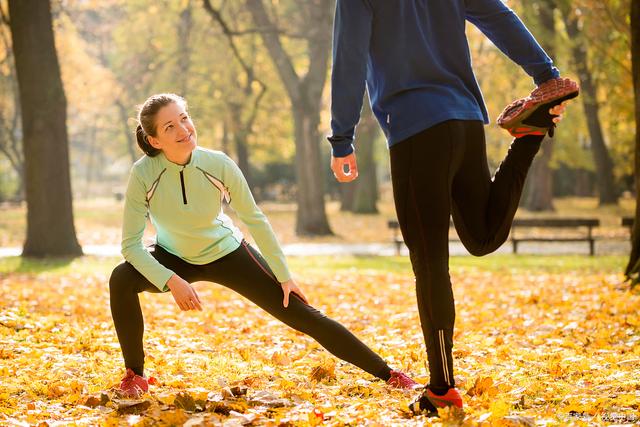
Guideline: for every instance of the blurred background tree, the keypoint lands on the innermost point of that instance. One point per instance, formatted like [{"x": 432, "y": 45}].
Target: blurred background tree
[
  {"x": 43, "y": 107},
  {"x": 255, "y": 75},
  {"x": 633, "y": 266}
]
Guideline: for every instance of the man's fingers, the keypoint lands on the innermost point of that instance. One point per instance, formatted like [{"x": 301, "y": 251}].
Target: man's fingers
[
  {"x": 351, "y": 173},
  {"x": 338, "y": 172},
  {"x": 285, "y": 301},
  {"x": 558, "y": 109},
  {"x": 353, "y": 168},
  {"x": 336, "y": 167},
  {"x": 340, "y": 175}
]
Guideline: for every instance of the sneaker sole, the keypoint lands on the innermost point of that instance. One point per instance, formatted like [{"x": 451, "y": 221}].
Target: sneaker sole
[
  {"x": 514, "y": 114},
  {"x": 415, "y": 409}
]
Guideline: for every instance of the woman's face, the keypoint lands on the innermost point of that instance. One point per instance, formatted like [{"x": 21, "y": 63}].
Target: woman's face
[{"x": 175, "y": 133}]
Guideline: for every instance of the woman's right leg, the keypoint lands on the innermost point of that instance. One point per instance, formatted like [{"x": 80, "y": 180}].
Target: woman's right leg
[
  {"x": 125, "y": 284},
  {"x": 247, "y": 273}
]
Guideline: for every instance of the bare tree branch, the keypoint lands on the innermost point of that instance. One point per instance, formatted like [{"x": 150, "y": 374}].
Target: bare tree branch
[
  {"x": 319, "y": 48},
  {"x": 254, "y": 111},
  {"x": 607, "y": 52},
  {"x": 9, "y": 144},
  {"x": 272, "y": 41},
  {"x": 249, "y": 31},
  {"x": 217, "y": 16},
  {"x": 620, "y": 26},
  {"x": 594, "y": 42}
]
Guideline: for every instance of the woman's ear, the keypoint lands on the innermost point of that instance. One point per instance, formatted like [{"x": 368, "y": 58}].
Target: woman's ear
[{"x": 154, "y": 142}]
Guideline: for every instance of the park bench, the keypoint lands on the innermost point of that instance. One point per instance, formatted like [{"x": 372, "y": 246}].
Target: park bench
[
  {"x": 575, "y": 224},
  {"x": 583, "y": 226}
]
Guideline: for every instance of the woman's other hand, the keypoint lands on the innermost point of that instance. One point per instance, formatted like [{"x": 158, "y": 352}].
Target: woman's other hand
[
  {"x": 291, "y": 286},
  {"x": 185, "y": 295}
]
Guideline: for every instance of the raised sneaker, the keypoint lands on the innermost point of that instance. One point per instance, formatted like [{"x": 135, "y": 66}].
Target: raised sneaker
[{"x": 530, "y": 115}]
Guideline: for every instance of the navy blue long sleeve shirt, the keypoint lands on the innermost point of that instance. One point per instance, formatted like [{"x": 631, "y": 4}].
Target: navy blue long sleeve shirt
[{"x": 414, "y": 58}]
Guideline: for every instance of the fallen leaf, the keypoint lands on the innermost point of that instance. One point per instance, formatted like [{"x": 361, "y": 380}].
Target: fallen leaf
[
  {"x": 185, "y": 401},
  {"x": 264, "y": 398},
  {"x": 132, "y": 406},
  {"x": 324, "y": 371},
  {"x": 280, "y": 359}
]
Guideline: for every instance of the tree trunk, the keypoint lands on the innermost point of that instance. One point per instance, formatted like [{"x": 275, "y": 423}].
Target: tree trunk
[
  {"x": 184, "y": 50},
  {"x": 305, "y": 95},
  {"x": 50, "y": 229},
  {"x": 539, "y": 185},
  {"x": 361, "y": 195},
  {"x": 18, "y": 195},
  {"x": 310, "y": 220},
  {"x": 601, "y": 157},
  {"x": 347, "y": 195},
  {"x": 633, "y": 267},
  {"x": 10, "y": 143},
  {"x": 225, "y": 135},
  {"x": 130, "y": 137},
  {"x": 92, "y": 162}
]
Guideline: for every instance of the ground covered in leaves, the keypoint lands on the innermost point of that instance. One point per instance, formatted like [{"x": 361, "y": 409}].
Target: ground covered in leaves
[{"x": 539, "y": 341}]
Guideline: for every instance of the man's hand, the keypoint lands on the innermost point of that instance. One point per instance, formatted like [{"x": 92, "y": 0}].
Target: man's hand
[
  {"x": 184, "y": 294},
  {"x": 338, "y": 164},
  {"x": 558, "y": 111},
  {"x": 291, "y": 286}
]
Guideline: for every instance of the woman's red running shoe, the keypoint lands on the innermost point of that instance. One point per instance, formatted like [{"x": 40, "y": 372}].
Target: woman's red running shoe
[
  {"x": 133, "y": 385},
  {"x": 401, "y": 380}
]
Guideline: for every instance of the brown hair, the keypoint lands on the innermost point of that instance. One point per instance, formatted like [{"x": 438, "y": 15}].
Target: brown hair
[{"x": 147, "y": 119}]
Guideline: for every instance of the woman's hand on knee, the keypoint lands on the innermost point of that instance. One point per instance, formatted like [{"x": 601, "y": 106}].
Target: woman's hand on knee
[
  {"x": 185, "y": 295},
  {"x": 291, "y": 286}
]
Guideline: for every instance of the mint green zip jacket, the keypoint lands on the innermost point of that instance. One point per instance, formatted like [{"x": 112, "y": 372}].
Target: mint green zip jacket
[{"x": 184, "y": 204}]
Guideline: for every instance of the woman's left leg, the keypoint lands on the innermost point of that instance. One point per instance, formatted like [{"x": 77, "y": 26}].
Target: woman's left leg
[{"x": 247, "y": 273}]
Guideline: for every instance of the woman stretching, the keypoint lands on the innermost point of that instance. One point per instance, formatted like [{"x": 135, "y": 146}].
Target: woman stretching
[{"x": 181, "y": 188}]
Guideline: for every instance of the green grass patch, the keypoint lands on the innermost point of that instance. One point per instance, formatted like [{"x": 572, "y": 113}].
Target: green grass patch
[
  {"x": 494, "y": 263},
  {"x": 58, "y": 266},
  {"x": 330, "y": 264}
]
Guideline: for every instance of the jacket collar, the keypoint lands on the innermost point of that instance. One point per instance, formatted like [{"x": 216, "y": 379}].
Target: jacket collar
[{"x": 176, "y": 167}]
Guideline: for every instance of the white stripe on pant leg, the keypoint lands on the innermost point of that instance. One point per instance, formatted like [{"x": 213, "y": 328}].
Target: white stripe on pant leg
[{"x": 443, "y": 356}]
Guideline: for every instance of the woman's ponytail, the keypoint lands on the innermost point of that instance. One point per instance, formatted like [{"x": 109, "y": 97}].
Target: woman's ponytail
[{"x": 143, "y": 142}]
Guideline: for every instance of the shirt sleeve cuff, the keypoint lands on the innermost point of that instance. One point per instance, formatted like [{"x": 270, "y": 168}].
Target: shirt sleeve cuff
[
  {"x": 551, "y": 73},
  {"x": 341, "y": 146}
]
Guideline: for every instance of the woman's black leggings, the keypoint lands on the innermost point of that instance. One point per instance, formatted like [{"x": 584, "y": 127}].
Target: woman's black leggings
[
  {"x": 247, "y": 273},
  {"x": 437, "y": 173}
]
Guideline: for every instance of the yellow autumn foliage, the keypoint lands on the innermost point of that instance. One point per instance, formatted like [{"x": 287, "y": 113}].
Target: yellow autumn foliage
[{"x": 533, "y": 346}]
